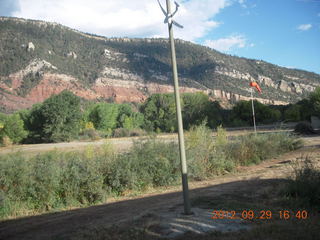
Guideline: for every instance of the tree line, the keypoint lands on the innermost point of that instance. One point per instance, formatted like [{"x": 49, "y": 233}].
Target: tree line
[{"x": 65, "y": 117}]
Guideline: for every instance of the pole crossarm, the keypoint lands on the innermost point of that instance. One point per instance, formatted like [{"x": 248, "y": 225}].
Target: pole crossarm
[{"x": 168, "y": 17}]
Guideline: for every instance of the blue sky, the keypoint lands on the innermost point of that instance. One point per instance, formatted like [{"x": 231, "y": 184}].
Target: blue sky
[{"x": 283, "y": 32}]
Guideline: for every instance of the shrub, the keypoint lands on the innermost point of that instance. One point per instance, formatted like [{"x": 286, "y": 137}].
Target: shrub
[
  {"x": 13, "y": 129},
  {"x": 56, "y": 180},
  {"x": 137, "y": 132},
  {"x": 81, "y": 181},
  {"x": 254, "y": 148},
  {"x": 206, "y": 156},
  {"x": 304, "y": 184},
  {"x": 123, "y": 132},
  {"x": 199, "y": 149},
  {"x": 6, "y": 141},
  {"x": 304, "y": 128},
  {"x": 149, "y": 163},
  {"x": 90, "y": 133}
]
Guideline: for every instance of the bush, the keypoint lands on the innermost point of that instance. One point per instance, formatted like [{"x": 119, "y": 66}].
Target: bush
[
  {"x": 149, "y": 163},
  {"x": 206, "y": 156},
  {"x": 304, "y": 128},
  {"x": 137, "y": 132},
  {"x": 90, "y": 133},
  {"x": 304, "y": 185},
  {"x": 254, "y": 148},
  {"x": 5, "y": 141},
  {"x": 13, "y": 130},
  {"x": 123, "y": 132}
]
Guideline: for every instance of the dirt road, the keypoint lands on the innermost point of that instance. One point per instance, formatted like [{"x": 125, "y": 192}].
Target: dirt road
[{"x": 63, "y": 225}]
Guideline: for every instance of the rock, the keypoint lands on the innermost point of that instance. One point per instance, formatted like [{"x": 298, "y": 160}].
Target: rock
[
  {"x": 284, "y": 86},
  {"x": 72, "y": 54},
  {"x": 266, "y": 81},
  {"x": 106, "y": 52},
  {"x": 30, "y": 47},
  {"x": 297, "y": 87},
  {"x": 307, "y": 87}
]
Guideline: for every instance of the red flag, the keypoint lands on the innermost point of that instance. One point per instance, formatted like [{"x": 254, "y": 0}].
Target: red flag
[{"x": 254, "y": 84}]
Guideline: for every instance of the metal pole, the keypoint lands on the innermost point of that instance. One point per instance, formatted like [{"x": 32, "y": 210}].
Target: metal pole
[
  {"x": 187, "y": 208},
  {"x": 253, "y": 115}
]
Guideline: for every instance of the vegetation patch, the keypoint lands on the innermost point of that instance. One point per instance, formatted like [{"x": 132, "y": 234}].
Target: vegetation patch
[
  {"x": 304, "y": 128},
  {"x": 57, "y": 180},
  {"x": 303, "y": 188}
]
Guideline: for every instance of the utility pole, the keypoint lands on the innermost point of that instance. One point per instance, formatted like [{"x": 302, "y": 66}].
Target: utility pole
[
  {"x": 184, "y": 173},
  {"x": 253, "y": 115}
]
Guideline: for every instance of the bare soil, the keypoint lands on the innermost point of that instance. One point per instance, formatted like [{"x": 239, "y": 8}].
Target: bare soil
[{"x": 253, "y": 184}]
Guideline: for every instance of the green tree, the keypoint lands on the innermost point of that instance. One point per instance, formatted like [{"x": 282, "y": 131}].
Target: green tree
[
  {"x": 104, "y": 116},
  {"x": 242, "y": 113},
  {"x": 13, "y": 127},
  {"x": 160, "y": 113},
  {"x": 315, "y": 102},
  {"x": 57, "y": 119},
  {"x": 129, "y": 119},
  {"x": 293, "y": 113},
  {"x": 196, "y": 108}
]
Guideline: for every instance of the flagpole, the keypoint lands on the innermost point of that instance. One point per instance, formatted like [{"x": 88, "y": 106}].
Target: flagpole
[{"x": 253, "y": 115}]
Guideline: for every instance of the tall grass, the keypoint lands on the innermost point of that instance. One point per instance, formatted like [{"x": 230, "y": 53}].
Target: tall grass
[
  {"x": 303, "y": 188},
  {"x": 57, "y": 180}
]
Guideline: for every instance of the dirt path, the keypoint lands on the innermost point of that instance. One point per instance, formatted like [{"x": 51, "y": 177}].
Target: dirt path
[{"x": 65, "y": 224}]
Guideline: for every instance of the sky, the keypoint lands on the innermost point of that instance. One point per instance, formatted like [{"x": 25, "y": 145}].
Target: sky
[{"x": 282, "y": 32}]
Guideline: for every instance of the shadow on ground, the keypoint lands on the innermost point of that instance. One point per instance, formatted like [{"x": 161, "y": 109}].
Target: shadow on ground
[{"x": 248, "y": 194}]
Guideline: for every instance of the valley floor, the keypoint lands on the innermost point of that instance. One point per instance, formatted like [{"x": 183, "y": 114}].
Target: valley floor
[{"x": 147, "y": 216}]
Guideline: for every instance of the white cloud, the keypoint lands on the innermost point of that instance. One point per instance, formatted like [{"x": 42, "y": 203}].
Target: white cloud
[
  {"x": 242, "y": 3},
  {"x": 229, "y": 43},
  {"x": 304, "y": 27},
  {"x": 141, "y": 18}
]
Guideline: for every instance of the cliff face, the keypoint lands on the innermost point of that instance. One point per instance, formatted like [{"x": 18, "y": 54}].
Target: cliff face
[{"x": 38, "y": 59}]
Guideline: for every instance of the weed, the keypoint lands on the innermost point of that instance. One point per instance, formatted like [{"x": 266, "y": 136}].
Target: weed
[{"x": 304, "y": 185}]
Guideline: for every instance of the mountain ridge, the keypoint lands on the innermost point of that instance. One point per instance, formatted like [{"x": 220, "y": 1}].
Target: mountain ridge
[{"x": 38, "y": 59}]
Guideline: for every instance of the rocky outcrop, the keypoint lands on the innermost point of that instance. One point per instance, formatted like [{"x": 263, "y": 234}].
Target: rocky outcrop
[
  {"x": 72, "y": 55},
  {"x": 33, "y": 67},
  {"x": 117, "y": 73},
  {"x": 30, "y": 47},
  {"x": 266, "y": 81},
  {"x": 132, "y": 91},
  {"x": 228, "y": 96},
  {"x": 297, "y": 87},
  {"x": 307, "y": 87},
  {"x": 234, "y": 74},
  {"x": 56, "y": 83},
  {"x": 284, "y": 86}
]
